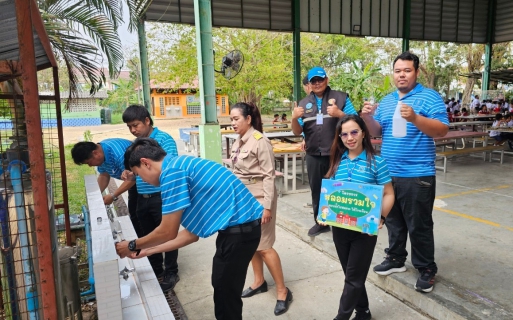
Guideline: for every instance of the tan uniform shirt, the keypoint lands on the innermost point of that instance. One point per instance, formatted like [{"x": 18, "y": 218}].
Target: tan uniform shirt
[{"x": 253, "y": 161}]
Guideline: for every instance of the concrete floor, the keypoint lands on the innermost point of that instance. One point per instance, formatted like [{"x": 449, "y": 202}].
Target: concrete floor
[
  {"x": 473, "y": 237},
  {"x": 315, "y": 279}
]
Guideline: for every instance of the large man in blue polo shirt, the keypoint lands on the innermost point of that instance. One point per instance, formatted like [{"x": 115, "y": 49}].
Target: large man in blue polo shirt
[
  {"x": 108, "y": 157},
  {"x": 316, "y": 116},
  {"x": 205, "y": 198},
  {"x": 148, "y": 201},
  {"x": 411, "y": 161}
]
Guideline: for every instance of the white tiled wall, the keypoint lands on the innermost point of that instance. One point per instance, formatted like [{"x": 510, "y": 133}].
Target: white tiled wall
[{"x": 137, "y": 298}]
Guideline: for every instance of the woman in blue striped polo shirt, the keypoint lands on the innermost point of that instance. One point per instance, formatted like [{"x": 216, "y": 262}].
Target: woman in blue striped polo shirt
[{"x": 353, "y": 159}]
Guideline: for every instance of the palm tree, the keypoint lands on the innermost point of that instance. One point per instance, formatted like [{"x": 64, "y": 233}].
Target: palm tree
[{"x": 84, "y": 33}]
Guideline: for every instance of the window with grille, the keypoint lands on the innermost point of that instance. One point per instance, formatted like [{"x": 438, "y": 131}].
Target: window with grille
[
  {"x": 172, "y": 101},
  {"x": 161, "y": 105},
  {"x": 83, "y": 105},
  {"x": 223, "y": 104},
  {"x": 193, "y": 109}
]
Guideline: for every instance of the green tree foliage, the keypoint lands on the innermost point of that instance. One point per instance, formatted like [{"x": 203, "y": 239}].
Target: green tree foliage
[
  {"x": 84, "y": 34},
  {"x": 120, "y": 98},
  {"x": 439, "y": 64},
  {"x": 266, "y": 75},
  {"x": 359, "y": 66},
  {"x": 363, "y": 83}
]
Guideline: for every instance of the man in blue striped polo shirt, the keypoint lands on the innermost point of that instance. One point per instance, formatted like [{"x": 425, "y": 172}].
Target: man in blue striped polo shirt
[
  {"x": 411, "y": 161},
  {"x": 148, "y": 200},
  {"x": 205, "y": 198},
  {"x": 108, "y": 157}
]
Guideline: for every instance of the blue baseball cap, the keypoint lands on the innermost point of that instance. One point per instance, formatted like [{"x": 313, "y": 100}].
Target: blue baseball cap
[{"x": 316, "y": 72}]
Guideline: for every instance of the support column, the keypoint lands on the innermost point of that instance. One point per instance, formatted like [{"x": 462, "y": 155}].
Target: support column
[
  {"x": 209, "y": 129},
  {"x": 296, "y": 51},
  {"x": 46, "y": 291},
  {"x": 485, "y": 85},
  {"x": 406, "y": 25},
  {"x": 145, "y": 69}
]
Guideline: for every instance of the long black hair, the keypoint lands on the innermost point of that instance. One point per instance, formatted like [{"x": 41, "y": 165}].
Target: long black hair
[
  {"x": 338, "y": 148},
  {"x": 249, "y": 109}
]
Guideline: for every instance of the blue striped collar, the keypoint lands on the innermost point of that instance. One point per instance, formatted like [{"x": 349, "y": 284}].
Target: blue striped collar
[
  {"x": 105, "y": 154},
  {"x": 154, "y": 132},
  {"x": 361, "y": 156},
  {"x": 418, "y": 88}
]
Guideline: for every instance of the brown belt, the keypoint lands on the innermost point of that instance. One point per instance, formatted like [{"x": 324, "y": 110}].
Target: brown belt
[{"x": 251, "y": 180}]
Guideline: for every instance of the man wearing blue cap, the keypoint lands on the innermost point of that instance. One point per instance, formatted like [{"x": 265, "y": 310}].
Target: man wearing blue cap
[{"x": 316, "y": 116}]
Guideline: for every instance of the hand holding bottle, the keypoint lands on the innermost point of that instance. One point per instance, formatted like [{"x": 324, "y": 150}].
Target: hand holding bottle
[
  {"x": 369, "y": 108},
  {"x": 408, "y": 113}
]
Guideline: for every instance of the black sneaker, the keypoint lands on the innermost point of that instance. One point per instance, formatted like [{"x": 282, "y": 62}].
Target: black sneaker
[
  {"x": 389, "y": 266},
  {"x": 426, "y": 281},
  {"x": 510, "y": 144},
  {"x": 362, "y": 315},
  {"x": 169, "y": 281},
  {"x": 317, "y": 230}
]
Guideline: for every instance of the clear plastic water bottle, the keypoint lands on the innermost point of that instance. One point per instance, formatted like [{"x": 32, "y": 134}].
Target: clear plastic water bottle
[{"x": 398, "y": 123}]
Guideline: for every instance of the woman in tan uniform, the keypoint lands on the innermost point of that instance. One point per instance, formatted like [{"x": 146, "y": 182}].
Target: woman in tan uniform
[{"x": 253, "y": 163}]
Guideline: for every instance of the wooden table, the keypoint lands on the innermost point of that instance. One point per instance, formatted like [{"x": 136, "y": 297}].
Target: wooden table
[
  {"x": 477, "y": 116},
  {"x": 275, "y": 125},
  {"x": 290, "y": 153},
  {"x": 451, "y": 135},
  {"x": 277, "y": 134},
  {"x": 222, "y": 125},
  {"x": 501, "y": 129},
  {"x": 455, "y": 135},
  {"x": 471, "y": 123}
]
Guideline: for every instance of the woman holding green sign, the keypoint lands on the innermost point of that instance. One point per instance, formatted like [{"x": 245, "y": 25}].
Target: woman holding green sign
[{"x": 353, "y": 159}]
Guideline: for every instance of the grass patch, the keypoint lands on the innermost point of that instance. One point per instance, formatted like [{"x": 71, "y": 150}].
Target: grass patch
[
  {"x": 117, "y": 118},
  {"x": 75, "y": 177}
]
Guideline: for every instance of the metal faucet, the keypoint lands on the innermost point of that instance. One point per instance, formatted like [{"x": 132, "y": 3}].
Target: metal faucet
[{"x": 124, "y": 273}]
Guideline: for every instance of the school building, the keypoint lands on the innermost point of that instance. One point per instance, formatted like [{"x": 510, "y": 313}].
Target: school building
[{"x": 172, "y": 100}]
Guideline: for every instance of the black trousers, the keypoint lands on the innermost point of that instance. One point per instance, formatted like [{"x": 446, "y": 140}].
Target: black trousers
[
  {"x": 229, "y": 268},
  {"x": 149, "y": 213},
  {"x": 412, "y": 214},
  {"x": 354, "y": 250},
  {"x": 317, "y": 167},
  {"x": 132, "y": 210}
]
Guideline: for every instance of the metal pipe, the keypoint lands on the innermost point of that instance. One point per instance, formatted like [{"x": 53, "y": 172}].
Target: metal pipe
[
  {"x": 16, "y": 167},
  {"x": 87, "y": 226},
  {"x": 9, "y": 261}
]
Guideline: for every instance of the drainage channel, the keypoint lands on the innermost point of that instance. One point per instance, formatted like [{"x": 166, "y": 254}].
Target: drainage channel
[{"x": 175, "y": 305}]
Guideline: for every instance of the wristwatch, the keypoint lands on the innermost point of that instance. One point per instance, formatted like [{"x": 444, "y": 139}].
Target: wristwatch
[
  {"x": 132, "y": 246},
  {"x": 383, "y": 218},
  {"x": 114, "y": 197}
]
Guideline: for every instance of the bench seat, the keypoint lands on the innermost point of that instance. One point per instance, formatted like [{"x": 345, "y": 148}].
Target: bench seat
[{"x": 489, "y": 149}]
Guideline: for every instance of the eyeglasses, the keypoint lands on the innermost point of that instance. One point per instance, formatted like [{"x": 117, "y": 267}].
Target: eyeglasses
[
  {"x": 317, "y": 80},
  {"x": 353, "y": 133}
]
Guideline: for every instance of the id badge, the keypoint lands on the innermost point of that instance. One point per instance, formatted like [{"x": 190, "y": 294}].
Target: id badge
[{"x": 319, "y": 119}]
